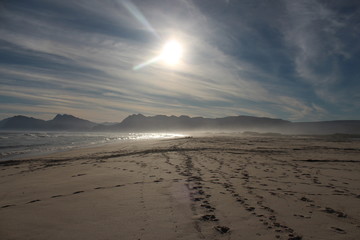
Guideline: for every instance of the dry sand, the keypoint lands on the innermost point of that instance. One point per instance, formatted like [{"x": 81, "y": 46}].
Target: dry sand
[{"x": 223, "y": 187}]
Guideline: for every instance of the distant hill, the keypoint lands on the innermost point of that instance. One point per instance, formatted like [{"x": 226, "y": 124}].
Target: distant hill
[
  {"x": 22, "y": 123},
  {"x": 58, "y": 123},
  {"x": 69, "y": 122},
  {"x": 141, "y": 123}
]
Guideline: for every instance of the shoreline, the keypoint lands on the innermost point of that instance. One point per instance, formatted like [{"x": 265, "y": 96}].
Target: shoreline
[
  {"x": 43, "y": 148},
  {"x": 203, "y": 187}
]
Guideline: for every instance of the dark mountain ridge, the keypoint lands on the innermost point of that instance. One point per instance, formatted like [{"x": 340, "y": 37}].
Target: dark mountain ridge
[
  {"x": 141, "y": 123},
  {"x": 69, "y": 122},
  {"x": 171, "y": 123},
  {"x": 61, "y": 122},
  {"x": 22, "y": 123}
]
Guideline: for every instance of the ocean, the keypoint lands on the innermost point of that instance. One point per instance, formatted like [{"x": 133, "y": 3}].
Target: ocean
[{"x": 15, "y": 145}]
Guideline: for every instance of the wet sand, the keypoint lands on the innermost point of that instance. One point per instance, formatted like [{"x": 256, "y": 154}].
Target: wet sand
[{"x": 213, "y": 187}]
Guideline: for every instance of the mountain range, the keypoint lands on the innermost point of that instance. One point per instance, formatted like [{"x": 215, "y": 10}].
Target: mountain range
[
  {"x": 141, "y": 123},
  {"x": 61, "y": 122}
]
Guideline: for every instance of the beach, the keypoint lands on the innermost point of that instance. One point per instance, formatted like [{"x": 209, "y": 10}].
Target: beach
[{"x": 216, "y": 186}]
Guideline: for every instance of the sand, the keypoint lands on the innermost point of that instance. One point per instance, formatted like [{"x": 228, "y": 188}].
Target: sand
[{"x": 211, "y": 187}]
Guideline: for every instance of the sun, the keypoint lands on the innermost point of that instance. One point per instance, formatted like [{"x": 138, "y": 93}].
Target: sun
[
  {"x": 172, "y": 52},
  {"x": 171, "y": 55}
]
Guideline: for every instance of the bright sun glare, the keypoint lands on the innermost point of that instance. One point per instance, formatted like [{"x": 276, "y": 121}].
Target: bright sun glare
[{"x": 172, "y": 52}]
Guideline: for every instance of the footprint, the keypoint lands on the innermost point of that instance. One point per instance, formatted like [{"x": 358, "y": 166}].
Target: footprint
[
  {"x": 209, "y": 218},
  {"x": 301, "y": 216},
  {"x": 210, "y": 209},
  {"x": 77, "y": 192},
  {"x": 6, "y": 206},
  {"x": 338, "y": 230},
  {"x": 304, "y": 199},
  {"x": 250, "y": 209},
  {"x": 332, "y": 211},
  {"x": 119, "y": 185},
  {"x": 295, "y": 238},
  {"x": 197, "y": 199},
  {"x": 222, "y": 229},
  {"x": 79, "y": 175},
  {"x": 56, "y": 196}
]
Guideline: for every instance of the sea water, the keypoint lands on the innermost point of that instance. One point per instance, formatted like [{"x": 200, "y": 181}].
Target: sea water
[{"x": 14, "y": 145}]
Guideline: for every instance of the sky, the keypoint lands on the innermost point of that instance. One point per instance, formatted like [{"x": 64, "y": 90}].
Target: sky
[{"x": 295, "y": 60}]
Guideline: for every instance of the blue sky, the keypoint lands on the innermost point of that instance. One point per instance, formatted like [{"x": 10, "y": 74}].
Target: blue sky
[{"x": 296, "y": 60}]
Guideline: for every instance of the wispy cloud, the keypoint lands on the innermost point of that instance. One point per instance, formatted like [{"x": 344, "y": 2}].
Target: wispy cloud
[
  {"x": 78, "y": 57},
  {"x": 319, "y": 35}
]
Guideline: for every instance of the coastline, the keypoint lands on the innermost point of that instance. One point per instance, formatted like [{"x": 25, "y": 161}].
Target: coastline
[
  {"x": 205, "y": 187},
  {"x": 31, "y": 144}
]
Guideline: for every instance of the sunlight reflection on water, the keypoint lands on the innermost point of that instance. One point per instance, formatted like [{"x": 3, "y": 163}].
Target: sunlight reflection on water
[
  {"x": 139, "y": 136},
  {"x": 15, "y": 144}
]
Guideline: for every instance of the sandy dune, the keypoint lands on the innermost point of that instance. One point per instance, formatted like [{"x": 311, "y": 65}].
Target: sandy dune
[{"x": 223, "y": 187}]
